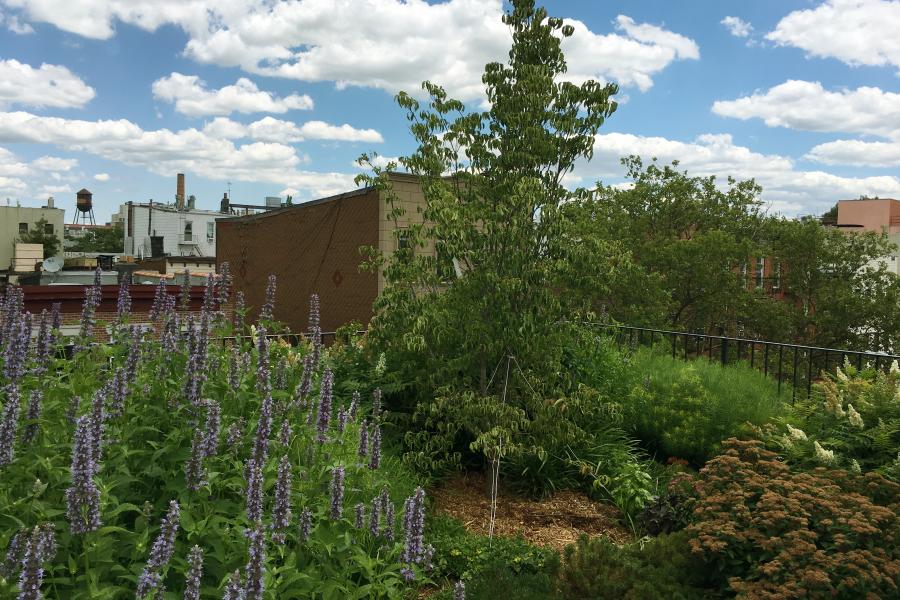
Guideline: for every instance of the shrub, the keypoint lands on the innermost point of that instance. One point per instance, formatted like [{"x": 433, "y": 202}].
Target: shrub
[
  {"x": 852, "y": 420},
  {"x": 672, "y": 508},
  {"x": 660, "y": 568},
  {"x": 684, "y": 409},
  {"x": 773, "y": 533}
]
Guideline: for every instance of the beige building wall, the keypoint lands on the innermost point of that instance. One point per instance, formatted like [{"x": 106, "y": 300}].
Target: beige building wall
[
  {"x": 410, "y": 197},
  {"x": 12, "y": 216},
  {"x": 881, "y": 214}
]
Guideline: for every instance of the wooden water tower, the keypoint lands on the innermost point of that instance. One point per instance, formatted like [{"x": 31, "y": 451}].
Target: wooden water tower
[{"x": 84, "y": 205}]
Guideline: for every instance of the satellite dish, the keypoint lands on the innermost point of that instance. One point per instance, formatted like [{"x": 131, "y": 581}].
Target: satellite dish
[{"x": 52, "y": 264}]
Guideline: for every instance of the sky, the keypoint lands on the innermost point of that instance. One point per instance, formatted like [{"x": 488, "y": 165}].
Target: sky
[{"x": 270, "y": 98}]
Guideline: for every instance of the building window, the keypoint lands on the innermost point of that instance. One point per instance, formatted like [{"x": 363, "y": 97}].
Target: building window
[
  {"x": 760, "y": 271},
  {"x": 48, "y": 228},
  {"x": 23, "y": 227},
  {"x": 188, "y": 231},
  {"x": 210, "y": 232},
  {"x": 744, "y": 274},
  {"x": 404, "y": 248},
  {"x": 776, "y": 275}
]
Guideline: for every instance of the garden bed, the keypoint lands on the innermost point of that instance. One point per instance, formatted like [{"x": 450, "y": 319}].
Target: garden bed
[{"x": 555, "y": 521}]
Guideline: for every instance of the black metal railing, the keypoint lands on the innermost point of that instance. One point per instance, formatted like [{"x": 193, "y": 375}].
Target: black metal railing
[{"x": 790, "y": 364}]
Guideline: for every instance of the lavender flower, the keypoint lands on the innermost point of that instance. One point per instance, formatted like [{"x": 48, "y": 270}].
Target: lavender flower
[
  {"x": 376, "y": 404},
  {"x": 98, "y": 417},
  {"x": 9, "y": 424},
  {"x": 354, "y": 406},
  {"x": 375, "y": 516},
  {"x": 337, "y": 492},
  {"x": 262, "y": 362},
  {"x": 194, "y": 574},
  {"x": 14, "y": 553},
  {"x": 306, "y": 379},
  {"x": 185, "y": 298},
  {"x": 44, "y": 344},
  {"x": 32, "y": 415},
  {"x": 387, "y": 509},
  {"x": 459, "y": 591},
  {"x": 224, "y": 284},
  {"x": 256, "y": 563},
  {"x": 160, "y": 300},
  {"x": 235, "y": 368},
  {"x": 213, "y": 425},
  {"x": 209, "y": 294},
  {"x": 15, "y": 354},
  {"x": 360, "y": 515},
  {"x": 117, "y": 390},
  {"x": 363, "y": 451},
  {"x": 83, "y": 497},
  {"x": 235, "y": 432},
  {"x": 263, "y": 430},
  {"x": 305, "y": 524},
  {"x": 281, "y": 513},
  {"x": 254, "y": 476},
  {"x": 160, "y": 552},
  {"x": 92, "y": 297},
  {"x": 233, "y": 589},
  {"x": 194, "y": 471},
  {"x": 414, "y": 527},
  {"x": 375, "y": 454},
  {"x": 285, "y": 433},
  {"x": 265, "y": 313},
  {"x": 342, "y": 420},
  {"x": 325, "y": 398},
  {"x": 239, "y": 309},
  {"x": 40, "y": 548},
  {"x": 123, "y": 302}
]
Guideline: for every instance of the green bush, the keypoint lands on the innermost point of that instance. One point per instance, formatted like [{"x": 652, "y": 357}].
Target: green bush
[
  {"x": 684, "y": 409},
  {"x": 459, "y": 554},
  {"x": 659, "y": 568},
  {"x": 851, "y": 420},
  {"x": 772, "y": 533}
]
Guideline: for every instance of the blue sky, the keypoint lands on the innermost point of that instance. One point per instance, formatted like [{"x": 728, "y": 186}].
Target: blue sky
[{"x": 281, "y": 97}]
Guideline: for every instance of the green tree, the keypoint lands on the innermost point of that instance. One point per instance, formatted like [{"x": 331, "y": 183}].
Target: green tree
[
  {"x": 100, "y": 240},
  {"x": 38, "y": 235},
  {"x": 497, "y": 219}
]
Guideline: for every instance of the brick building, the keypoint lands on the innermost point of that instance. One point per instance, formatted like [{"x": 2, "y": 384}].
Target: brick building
[{"x": 314, "y": 247}]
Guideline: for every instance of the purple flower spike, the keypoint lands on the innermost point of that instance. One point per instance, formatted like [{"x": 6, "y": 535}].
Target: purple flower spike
[
  {"x": 160, "y": 300},
  {"x": 305, "y": 524},
  {"x": 256, "y": 563},
  {"x": 255, "y": 483},
  {"x": 360, "y": 515},
  {"x": 375, "y": 454},
  {"x": 239, "y": 308},
  {"x": 266, "y": 312},
  {"x": 194, "y": 471},
  {"x": 285, "y": 433},
  {"x": 83, "y": 497},
  {"x": 363, "y": 451},
  {"x": 233, "y": 589},
  {"x": 414, "y": 527},
  {"x": 325, "y": 398},
  {"x": 40, "y": 548},
  {"x": 337, "y": 492},
  {"x": 387, "y": 509},
  {"x": 9, "y": 424},
  {"x": 213, "y": 424},
  {"x": 14, "y": 553},
  {"x": 209, "y": 294},
  {"x": 375, "y": 516},
  {"x": 263, "y": 431},
  {"x": 194, "y": 574},
  {"x": 342, "y": 420},
  {"x": 281, "y": 513},
  {"x": 235, "y": 432},
  {"x": 459, "y": 591},
  {"x": 376, "y": 404},
  {"x": 32, "y": 415},
  {"x": 161, "y": 551},
  {"x": 354, "y": 405},
  {"x": 123, "y": 302},
  {"x": 55, "y": 318},
  {"x": 224, "y": 284}
]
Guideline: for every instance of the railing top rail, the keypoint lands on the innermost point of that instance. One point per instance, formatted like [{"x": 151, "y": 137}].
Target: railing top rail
[{"x": 880, "y": 355}]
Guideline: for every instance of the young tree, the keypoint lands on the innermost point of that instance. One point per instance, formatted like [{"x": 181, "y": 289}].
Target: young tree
[
  {"x": 38, "y": 234},
  {"x": 101, "y": 240},
  {"x": 494, "y": 221}
]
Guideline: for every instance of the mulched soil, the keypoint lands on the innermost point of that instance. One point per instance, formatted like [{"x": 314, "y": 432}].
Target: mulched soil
[{"x": 555, "y": 521}]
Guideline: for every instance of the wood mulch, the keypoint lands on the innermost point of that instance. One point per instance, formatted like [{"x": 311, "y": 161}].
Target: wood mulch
[{"x": 556, "y": 521}]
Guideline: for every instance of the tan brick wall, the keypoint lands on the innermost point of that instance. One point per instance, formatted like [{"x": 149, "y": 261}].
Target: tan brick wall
[{"x": 311, "y": 248}]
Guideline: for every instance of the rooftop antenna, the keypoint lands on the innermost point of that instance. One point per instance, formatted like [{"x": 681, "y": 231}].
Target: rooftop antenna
[{"x": 229, "y": 189}]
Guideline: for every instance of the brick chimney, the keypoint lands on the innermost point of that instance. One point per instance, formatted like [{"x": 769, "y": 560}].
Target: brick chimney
[{"x": 179, "y": 192}]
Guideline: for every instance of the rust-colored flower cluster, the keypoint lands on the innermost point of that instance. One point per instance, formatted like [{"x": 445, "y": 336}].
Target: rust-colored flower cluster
[{"x": 777, "y": 534}]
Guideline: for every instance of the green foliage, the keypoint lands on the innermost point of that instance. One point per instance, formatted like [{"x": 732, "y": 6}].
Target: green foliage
[
  {"x": 142, "y": 468},
  {"x": 657, "y": 568},
  {"x": 854, "y": 418},
  {"x": 463, "y": 555},
  {"x": 671, "y": 509},
  {"x": 769, "y": 532},
  {"x": 100, "y": 240},
  {"x": 38, "y": 235},
  {"x": 684, "y": 409}
]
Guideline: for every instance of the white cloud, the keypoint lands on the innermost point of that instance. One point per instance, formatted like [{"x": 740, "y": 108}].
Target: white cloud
[
  {"x": 857, "y": 32},
  {"x": 104, "y": 177},
  {"x": 785, "y": 187},
  {"x": 191, "y": 97},
  {"x": 54, "y": 163},
  {"x": 270, "y": 129},
  {"x": 806, "y": 105},
  {"x": 165, "y": 152},
  {"x": 47, "y": 85},
  {"x": 20, "y": 179},
  {"x": 16, "y": 26},
  {"x": 857, "y": 153},
  {"x": 737, "y": 26},
  {"x": 387, "y": 44}
]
